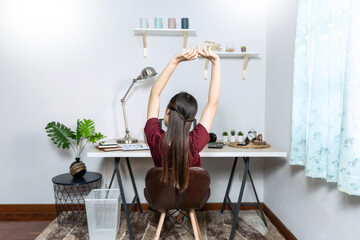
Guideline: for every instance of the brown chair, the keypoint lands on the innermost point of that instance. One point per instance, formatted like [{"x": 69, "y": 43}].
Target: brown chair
[{"x": 162, "y": 197}]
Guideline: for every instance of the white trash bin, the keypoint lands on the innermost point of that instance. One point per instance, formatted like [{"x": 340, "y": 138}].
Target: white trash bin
[{"x": 103, "y": 209}]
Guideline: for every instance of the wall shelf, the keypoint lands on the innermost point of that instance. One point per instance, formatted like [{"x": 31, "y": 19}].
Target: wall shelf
[
  {"x": 163, "y": 32},
  {"x": 245, "y": 59},
  {"x": 236, "y": 54}
]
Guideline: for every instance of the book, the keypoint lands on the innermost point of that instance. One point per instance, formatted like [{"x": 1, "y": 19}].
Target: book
[
  {"x": 107, "y": 146},
  {"x": 109, "y": 149},
  {"x": 110, "y": 142}
]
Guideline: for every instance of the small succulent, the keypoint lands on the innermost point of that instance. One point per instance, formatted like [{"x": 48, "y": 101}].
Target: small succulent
[
  {"x": 240, "y": 133},
  {"x": 225, "y": 133},
  {"x": 232, "y": 132}
]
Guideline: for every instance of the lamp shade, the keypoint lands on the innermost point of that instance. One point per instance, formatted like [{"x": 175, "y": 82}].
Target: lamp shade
[{"x": 146, "y": 73}]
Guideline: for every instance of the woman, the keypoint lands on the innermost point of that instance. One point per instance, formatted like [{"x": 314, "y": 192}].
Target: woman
[{"x": 176, "y": 149}]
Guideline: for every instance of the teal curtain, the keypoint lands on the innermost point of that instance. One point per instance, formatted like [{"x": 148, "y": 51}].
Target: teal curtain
[{"x": 325, "y": 134}]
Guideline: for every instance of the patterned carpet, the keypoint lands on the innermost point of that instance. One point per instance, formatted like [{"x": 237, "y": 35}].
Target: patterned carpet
[{"x": 213, "y": 226}]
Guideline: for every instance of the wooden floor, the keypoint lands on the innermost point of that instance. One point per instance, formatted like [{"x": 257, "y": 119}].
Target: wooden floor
[{"x": 23, "y": 226}]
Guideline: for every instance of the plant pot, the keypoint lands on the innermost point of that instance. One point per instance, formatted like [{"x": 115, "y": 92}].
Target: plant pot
[
  {"x": 224, "y": 139},
  {"x": 232, "y": 139},
  {"x": 77, "y": 168},
  {"x": 240, "y": 138}
]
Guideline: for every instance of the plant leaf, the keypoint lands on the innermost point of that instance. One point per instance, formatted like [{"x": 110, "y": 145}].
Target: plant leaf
[
  {"x": 96, "y": 137},
  {"x": 77, "y": 132},
  {"x": 87, "y": 128},
  {"x": 59, "y": 134}
]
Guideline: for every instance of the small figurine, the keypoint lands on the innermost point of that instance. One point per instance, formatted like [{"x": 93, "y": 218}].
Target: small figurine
[{"x": 259, "y": 138}]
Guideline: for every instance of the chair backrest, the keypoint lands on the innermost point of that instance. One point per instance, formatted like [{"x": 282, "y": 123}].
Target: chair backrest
[{"x": 162, "y": 196}]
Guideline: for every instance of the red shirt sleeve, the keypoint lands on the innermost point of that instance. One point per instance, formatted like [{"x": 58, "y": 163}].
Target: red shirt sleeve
[
  {"x": 154, "y": 135},
  {"x": 198, "y": 139}
]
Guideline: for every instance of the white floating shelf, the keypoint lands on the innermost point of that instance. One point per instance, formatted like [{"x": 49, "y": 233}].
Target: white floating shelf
[
  {"x": 245, "y": 59},
  {"x": 236, "y": 54},
  {"x": 164, "y": 31}
]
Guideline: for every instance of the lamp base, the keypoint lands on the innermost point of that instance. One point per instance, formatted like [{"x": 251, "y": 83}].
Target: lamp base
[{"x": 127, "y": 140}]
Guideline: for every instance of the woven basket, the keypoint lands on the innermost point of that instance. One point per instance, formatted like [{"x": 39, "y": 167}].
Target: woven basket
[{"x": 249, "y": 146}]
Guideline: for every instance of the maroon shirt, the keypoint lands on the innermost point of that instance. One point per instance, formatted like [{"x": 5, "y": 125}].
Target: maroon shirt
[{"x": 198, "y": 138}]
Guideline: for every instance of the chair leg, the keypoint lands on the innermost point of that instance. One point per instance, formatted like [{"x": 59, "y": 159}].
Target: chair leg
[
  {"x": 198, "y": 227},
  {"x": 161, "y": 222},
  {"x": 195, "y": 225}
]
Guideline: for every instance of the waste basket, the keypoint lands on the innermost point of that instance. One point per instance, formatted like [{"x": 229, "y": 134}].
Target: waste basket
[{"x": 103, "y": 210}]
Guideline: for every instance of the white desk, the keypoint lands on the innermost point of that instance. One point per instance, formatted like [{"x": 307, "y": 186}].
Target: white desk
[{"x": 226, "y": 151}]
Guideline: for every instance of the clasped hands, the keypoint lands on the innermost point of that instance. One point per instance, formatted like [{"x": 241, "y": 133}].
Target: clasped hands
[{"x": 194, "y": 53}]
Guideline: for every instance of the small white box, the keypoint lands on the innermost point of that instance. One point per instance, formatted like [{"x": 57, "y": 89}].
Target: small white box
[{"x": 103, "y": 211}]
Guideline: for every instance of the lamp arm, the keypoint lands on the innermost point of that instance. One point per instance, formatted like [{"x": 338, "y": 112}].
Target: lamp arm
[
  {"x": 124, "y": 111},
  {"x": 125, "y": 118},
  {"x": 132, "y": 84}
]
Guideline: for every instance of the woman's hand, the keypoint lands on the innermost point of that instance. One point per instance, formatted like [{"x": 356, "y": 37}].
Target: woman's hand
[
  {"x": 208, "y": 53},
  {"x": 190, "y": 54}
]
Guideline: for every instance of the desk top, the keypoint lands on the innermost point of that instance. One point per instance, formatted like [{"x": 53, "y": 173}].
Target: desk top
[{"x": 226, "y": 151}]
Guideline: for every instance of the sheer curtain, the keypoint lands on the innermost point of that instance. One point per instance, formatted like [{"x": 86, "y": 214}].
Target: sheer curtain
[{"x": 325, "y": 134}]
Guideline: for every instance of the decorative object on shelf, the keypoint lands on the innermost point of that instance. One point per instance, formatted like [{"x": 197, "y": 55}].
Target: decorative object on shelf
[
  {"x": 232, "y": 137},
  {"x": 248, "y": 146},
  {"x": 146, "y": 74},
  {"x": 230, "y": 47},
  {"x": 259, "y": 140},
  {"x": 240, "y": 136},
  {"x": 213, "y": 137},
  {"x": 185, "y": 23},
  {"x": 144, "y": 23},
  {"x": 215, "y": 47},
  {"x": 251, "y": 137},
  {"x": 225, "y": 137},
  {"x": 243, "y": 48},
  {"x": 83, "y": 134},
  {"x": 158, "y": 23},
  {"x": 163, "y": 32},
  {"x": 171, "y": 23}
]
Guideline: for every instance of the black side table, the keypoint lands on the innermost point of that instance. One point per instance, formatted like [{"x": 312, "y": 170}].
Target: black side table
[{"x": 69, "y": 196}]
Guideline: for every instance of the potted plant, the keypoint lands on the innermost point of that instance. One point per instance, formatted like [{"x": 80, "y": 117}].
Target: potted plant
[
  {"x": 225, "y": 136},
  {"x": 240, "y": 137},
  {"x": 243, "y": 48},
  {"x": 232, "y": 138},
  {"x": 65, "y": 138}
]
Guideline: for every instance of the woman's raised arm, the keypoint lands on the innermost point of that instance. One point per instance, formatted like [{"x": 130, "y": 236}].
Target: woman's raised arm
[
  {"x": 160, "y": 83},
  {"x": 208, "y": 114}
]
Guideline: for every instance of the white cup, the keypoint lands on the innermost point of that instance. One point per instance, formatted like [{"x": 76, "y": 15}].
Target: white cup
[{"x": 144, "y": 23}]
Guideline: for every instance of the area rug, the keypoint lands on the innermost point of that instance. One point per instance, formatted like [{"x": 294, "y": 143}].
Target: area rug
[{"x": 213, "y": 226}]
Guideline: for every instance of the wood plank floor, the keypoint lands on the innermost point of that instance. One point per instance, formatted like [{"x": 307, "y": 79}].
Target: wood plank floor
[{"x": 23, "y": 226}]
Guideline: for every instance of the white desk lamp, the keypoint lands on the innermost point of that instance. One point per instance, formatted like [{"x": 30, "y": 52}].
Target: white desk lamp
[{"x": 146, "y": 74}]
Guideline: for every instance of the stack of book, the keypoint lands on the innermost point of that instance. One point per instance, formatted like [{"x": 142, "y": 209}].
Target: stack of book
[{"x": 108, "y": 145}]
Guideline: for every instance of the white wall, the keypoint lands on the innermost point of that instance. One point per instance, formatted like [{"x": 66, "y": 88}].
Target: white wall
[
  {"x": 63, "y": 60},
  {"x": 310, "y": 208}
]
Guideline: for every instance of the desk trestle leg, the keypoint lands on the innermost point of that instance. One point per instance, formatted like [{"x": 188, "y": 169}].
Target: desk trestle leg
[
  {"x": 239, "y": 204},
  {"x": 226, "y": 198},
  {"x": 134, "y": 185}
]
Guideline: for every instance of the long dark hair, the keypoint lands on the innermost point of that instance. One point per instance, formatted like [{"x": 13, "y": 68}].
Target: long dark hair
[{"x": 175, "y": 146}]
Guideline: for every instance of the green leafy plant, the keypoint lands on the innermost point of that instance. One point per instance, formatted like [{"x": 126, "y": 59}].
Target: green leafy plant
[
  {"x": 240, "y": 133},
  {"x": 232, "y": 132},
  {"x": 225, "y": 134},
  {"x": 65, "y": 138}
]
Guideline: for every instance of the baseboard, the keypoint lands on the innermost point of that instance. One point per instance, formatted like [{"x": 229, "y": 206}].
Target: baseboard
[
  {"x": 27, "y": 208},
  {"x": 50, "y": 208},
  {"x": 278, "y": 223}
]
